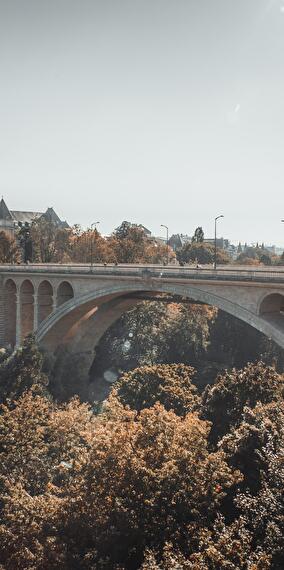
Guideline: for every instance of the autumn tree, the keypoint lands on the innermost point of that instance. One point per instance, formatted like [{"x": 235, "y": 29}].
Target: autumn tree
[
  {"x": 9, "y": 251},
  {"x": 223, "y": 546},
  {"x": 90, "y": 247},
  {"x": 169, "y": 384},
  {"x": 130, "y": 244},
  {"x": 40, "y": 443},
  {"x": 62, "y": 246},
  {"x": 148, "y": 478}
]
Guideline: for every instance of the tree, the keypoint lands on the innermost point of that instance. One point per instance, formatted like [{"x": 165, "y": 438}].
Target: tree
[
  {"x": 62, "y": 246},
  {"x": 265, "y": 259},
  {"x": 198, "y": 236},
  {"x": 224, "y": 402},
  {"x": 223, "y": 546},
  {"x": 156, "y": 333},
  {"x": 21, "y": 371},
  {"x": 25, "y": 240},
  {"x": 90, "y": 247},
  {"x": 281, "y": 260},
  {"x": 9, "y": 252},
  {"x": 244, "y": 444},
  {"x": 264, "y": 511},
  {"x": 39, "y": 444},
  {"x": 122, "y": 231},
  {"x": 130, "y": 244},
  {"x": 168, "y": 384},
  {"x": 43, "y": 240},
  {"x": 201, "y": 252},
  {"x": 148, "y": 479},
  {"x": 254, "y": 256}
]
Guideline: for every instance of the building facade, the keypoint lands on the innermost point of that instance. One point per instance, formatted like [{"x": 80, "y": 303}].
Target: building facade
[{"x": 11, "y": 220}]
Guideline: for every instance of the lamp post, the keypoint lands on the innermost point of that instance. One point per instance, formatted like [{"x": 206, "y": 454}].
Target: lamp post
[
  {"x": 167, "y": 229},
  {"x": 93, "y": 224},
  {"x": 215, "y": 241}
]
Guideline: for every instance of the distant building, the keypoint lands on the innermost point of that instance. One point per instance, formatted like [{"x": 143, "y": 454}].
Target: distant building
[
  {"x": 124, "y": 226},
  {"x": 270, "y": 248},
  {"x": 145, "y": 230},
  {"x": 177, "y": 241},
  {"x": 11, "y": 220}
]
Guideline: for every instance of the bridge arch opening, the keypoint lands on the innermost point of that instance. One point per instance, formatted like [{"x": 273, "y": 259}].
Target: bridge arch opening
[
  {"x": 272, "y": 305},
  {"x": 64, "y": 293},
  {"x": 27, "y": 308},
  {"x": 10, "y": 298},
  {"x": 45, "y": 300}
]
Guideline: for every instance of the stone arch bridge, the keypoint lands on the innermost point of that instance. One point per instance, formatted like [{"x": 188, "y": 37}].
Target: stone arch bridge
[{"x": 74, "y": 305}]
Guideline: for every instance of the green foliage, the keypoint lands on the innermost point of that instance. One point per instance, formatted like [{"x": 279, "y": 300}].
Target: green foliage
[
  {"x": 265, "y": 259},
  {"x": 155, "y": 333},
  {"x": 224, "y": 402},
  {"x": 168, "y": 384},
  {"x": 259, "y": 426},
  {"x": 198, "y": 236},
  {"x": 264, "y": 511},
  {"x": 21, "y": 371},
  {"x": 202, "y": 253}
]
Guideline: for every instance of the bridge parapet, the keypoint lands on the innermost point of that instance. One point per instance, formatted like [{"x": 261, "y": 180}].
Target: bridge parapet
[{"x": 205, "y": 272}]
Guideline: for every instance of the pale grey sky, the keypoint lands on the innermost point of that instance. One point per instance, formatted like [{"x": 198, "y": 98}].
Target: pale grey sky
[{"x": 155, "y": 111}]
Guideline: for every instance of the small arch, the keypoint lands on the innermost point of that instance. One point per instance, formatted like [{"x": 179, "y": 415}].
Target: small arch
[
  {"x": 64, "y": 293},
  {"x": 27, "y": 308},
  {"x": 45, "y": 300},
  {"x": 272, "y": 304},
  {"x": 10, "y": 297}
]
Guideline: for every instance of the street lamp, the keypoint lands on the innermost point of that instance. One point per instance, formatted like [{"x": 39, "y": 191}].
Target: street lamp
[
  {"x": 215, "y": 241},
  {"x": 93, "y": 224},
  {"x": 166, "y": 227}
]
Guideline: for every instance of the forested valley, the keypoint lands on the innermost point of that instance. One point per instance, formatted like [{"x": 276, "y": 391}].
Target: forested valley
[{"x": 177, "y": 462}]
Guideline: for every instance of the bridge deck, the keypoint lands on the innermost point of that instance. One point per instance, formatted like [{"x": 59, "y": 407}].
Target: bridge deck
[{"x": 222, "y": 273}]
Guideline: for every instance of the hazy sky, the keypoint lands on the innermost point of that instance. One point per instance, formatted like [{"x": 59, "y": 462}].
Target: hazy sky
[{"x": 153, "y": 111}]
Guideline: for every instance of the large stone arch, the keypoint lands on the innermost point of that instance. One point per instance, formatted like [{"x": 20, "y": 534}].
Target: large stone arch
[
  {"x": 67, "y": 323},
  {"x": 10, "y": 313}
]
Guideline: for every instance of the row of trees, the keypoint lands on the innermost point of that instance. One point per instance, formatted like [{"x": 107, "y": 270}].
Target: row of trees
[
  {"x": 161, "y": 478},
  {"x": 45, "y": 242},
  {"x": 48, "y": 243}
]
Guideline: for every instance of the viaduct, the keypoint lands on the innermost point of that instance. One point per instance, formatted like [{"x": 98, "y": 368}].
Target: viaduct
[{"x": 73, "y": 305}]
